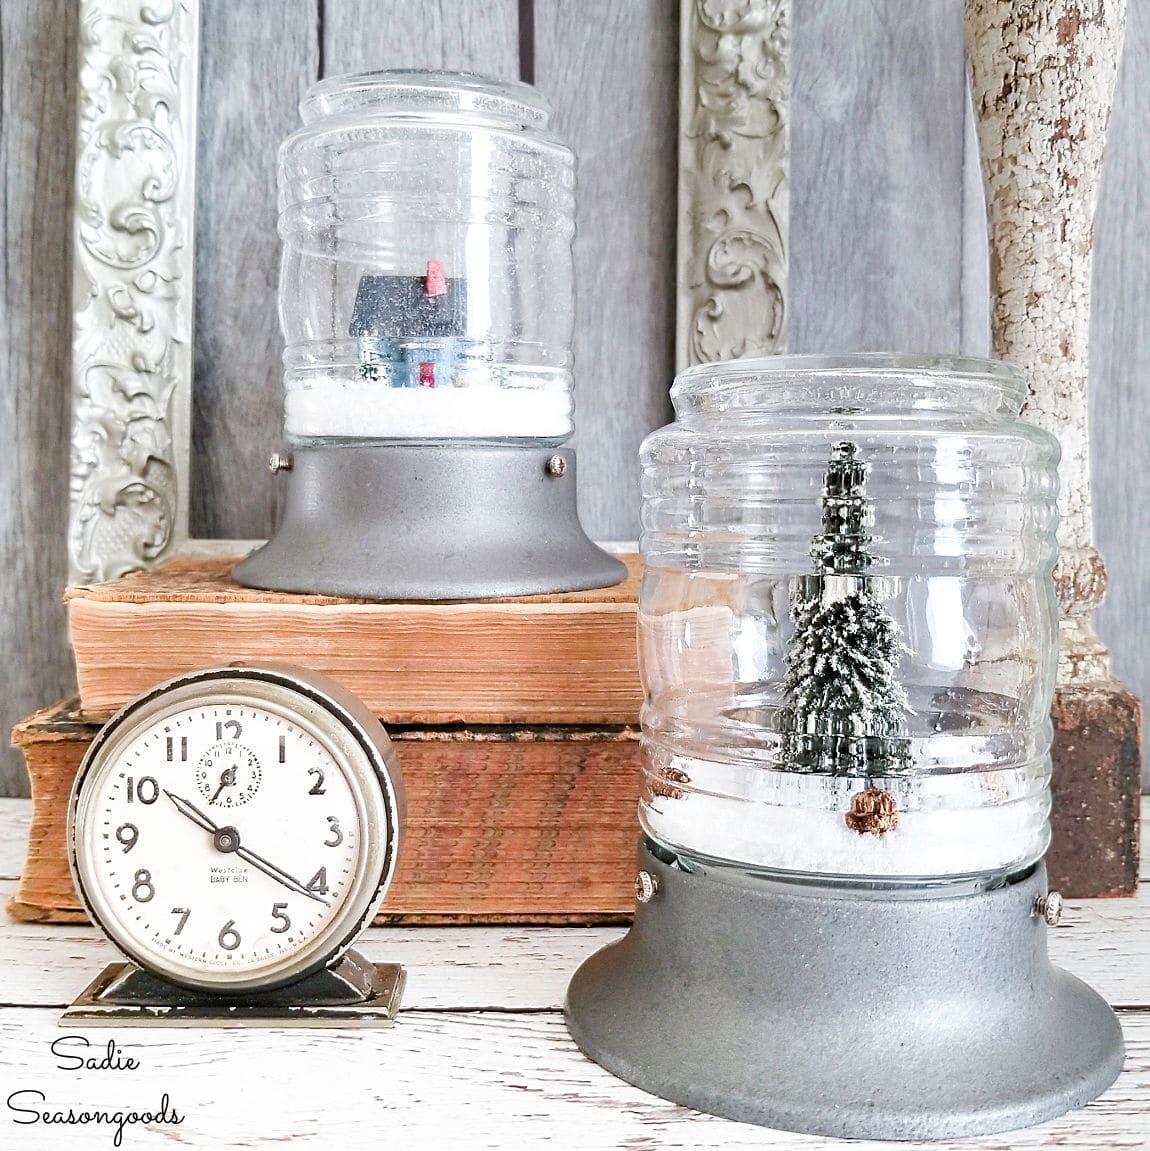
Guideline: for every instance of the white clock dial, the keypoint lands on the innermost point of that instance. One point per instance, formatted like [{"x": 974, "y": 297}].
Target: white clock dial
[{"x": 232, "y": 833}]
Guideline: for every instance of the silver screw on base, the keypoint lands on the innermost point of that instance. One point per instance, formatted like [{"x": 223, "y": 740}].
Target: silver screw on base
[
  {"x": 1049, "y": 906},
  {"x": 279, "y": 462},
  {"x": 646, "y": 887},
  {"x": 556, "y": 466}
]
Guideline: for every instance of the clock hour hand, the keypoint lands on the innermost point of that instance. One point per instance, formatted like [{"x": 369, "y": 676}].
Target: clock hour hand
[{"x": 190, "y": 811}]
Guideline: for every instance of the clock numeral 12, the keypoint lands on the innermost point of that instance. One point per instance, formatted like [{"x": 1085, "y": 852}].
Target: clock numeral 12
[{"x": 233, "y": 726}]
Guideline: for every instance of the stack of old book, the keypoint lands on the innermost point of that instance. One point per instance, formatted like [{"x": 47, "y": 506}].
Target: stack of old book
[{"x": 515, "y": 722}]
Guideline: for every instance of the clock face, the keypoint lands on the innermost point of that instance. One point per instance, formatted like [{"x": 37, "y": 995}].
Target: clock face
[{"x": 233, "y": 832}]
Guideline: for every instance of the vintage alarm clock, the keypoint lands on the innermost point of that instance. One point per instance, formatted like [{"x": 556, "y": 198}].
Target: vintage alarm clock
[{"x": 232, "y": 832}]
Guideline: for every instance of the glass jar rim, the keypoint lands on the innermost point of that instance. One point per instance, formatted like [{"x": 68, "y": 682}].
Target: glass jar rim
[
  {"x": 418, "y": 90},
  {"x": 726, "y": 378}
]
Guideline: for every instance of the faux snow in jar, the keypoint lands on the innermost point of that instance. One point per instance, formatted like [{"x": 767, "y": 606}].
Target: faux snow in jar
[
  {"x": 848, "y": 639},
  {"x": 427, "y": 303}
]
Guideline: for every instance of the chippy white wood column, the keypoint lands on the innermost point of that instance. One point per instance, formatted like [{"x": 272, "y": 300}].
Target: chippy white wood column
[{"x": 1043, "y": 74}]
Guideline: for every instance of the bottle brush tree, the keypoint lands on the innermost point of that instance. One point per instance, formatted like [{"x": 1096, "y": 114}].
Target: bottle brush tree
[{"x": 843, "y": 710}]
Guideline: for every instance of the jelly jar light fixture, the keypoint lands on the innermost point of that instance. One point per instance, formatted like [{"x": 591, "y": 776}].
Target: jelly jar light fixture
[
  {"x": 848, "y": 640},
  {"x": 427, "y": 301}
]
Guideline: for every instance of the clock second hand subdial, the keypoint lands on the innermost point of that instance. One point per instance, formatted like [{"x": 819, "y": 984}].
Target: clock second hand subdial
[
  {"x": 227, "y": 779},
  {"x": 190, "y": 811}
]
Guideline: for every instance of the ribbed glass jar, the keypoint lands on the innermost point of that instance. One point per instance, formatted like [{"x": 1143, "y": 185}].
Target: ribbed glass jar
[
  {"x": 427, "y": 285},
  {"x": 848, "y": 626}
]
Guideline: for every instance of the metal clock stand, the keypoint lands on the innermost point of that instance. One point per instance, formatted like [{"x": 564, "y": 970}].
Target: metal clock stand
[{"x": 353, "y": 993}]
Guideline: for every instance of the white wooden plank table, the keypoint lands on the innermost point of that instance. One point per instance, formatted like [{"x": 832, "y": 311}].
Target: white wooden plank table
[{"x": 480, "y": 1057}]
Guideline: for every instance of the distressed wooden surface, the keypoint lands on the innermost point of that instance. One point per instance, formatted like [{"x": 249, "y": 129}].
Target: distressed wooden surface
[
  {"x": 611, "y": 72},
  {"x": 877, "y": 135},
  {"x": 1106, "y": 942},
  {"x": 460, "y": 35},
  {"x": 438, "y": 1079},
  {"x": 236, "y": 401},
  {"x": 480, "y": 1056},
  {"x": 37, "y": 125},
  {"x": 1120, "y": 371},
  {"x": 887, "y": 250}
]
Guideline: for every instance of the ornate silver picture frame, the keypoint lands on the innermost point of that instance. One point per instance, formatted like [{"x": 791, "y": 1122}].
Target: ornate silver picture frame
[
  {"x": 134, "y": 250},
  {"x": 133, "y": 279},
  {"x": 734, "y": 166}
]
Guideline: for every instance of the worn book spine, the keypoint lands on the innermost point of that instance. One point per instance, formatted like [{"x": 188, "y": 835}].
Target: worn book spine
[
  {"x": 504, "y": 825},
  {"x": 565, "y": 659}
]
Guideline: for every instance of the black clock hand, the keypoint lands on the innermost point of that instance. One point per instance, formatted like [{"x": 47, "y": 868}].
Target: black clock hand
[
  {"x": 227, "y": 779},
  {"x": 277, "y": 873},
  {"x": 193, "y": 813}
]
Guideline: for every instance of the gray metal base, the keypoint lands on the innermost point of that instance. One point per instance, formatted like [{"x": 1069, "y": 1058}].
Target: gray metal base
[
  {"x": 430, "y": 522},
  {"x": 820, "y": 1010}
]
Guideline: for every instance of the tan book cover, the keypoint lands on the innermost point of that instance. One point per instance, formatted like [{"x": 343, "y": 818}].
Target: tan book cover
[
  {"x": 556, "y": 659},
  {"x": 529, "y": 825}
]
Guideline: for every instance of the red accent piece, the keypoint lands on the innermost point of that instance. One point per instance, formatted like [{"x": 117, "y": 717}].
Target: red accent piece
[
  {"x": 435, "y": 283},
  {"x": 427, "y": 375}
]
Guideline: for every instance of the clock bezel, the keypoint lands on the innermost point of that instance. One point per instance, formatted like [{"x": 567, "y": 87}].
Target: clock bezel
[{"x": 362, "y": 750}]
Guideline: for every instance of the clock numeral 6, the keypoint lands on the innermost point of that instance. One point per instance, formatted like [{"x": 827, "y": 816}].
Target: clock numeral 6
[
  {"x": 317, "y": 787},
  {"x": 127, "y": 834},
  {"x": 142, "y": 889},
  {"x": 336, "y": 836},
  {"x": 229, "y": 937},
  {"x": 146, "y": 791},
  {"x": 183, "y": 913},
  {"x": 279, "y": 912}
]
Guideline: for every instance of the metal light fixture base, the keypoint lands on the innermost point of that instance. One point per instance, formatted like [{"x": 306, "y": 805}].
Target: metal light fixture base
[
  {"x": 440, "y": 521},
  {"x": 852, "y": 1014}
]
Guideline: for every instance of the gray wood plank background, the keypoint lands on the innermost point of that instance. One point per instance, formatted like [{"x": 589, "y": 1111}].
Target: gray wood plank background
[{"x": 888, "y": 249}]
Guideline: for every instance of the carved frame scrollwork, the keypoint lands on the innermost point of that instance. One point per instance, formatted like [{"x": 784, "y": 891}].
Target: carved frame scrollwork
[
  {"x": 734, "y": 162},
  {"x": 133, "y": 279}
]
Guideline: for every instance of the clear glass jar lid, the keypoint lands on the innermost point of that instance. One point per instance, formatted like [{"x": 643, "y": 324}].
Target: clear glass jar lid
[
  {"x": 844, "y": 384},
  {"x": 420, "y": 92}
]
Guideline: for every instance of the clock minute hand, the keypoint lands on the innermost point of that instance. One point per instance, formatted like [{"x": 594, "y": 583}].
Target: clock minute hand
[{"x": 270, "y": 869}]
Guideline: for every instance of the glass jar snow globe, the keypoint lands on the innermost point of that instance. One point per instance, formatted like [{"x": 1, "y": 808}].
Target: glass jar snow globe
[
  {"x": 847, "y": 636},
  {"x": 427, "y": 304},
  {"x": 848, "y": 627}
]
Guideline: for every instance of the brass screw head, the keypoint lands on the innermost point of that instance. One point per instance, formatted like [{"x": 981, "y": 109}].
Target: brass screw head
[
  {"x": 1049, "y": 906},
  {"x": 646, "y": 887},
  {"x": 279, "y": 462},
  {"x": 556, "y": 466}
]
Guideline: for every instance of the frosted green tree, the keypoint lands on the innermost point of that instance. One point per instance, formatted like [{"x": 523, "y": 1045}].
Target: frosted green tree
[{"x": 843, "y": 710}]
